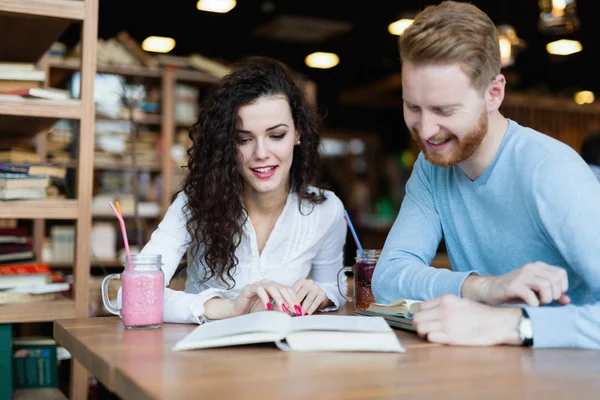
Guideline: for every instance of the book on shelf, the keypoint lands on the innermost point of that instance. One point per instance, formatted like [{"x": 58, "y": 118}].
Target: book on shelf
[
  {"x": 205, "y": 64},
  {"x": 25, "y": 274},
  {"x": 23, "y": 194},
  {"x": 9, "y": 85},
  {"x": 8, "y": 248},
  {"x": 16, "y": 256},
  {"x": 35, "y": 362},
  {"x": 51, "y": 169},
  {"x": 41, "y": 93},
  {"x": 28, "y": 298},
  {"x": 23, "y": 181},
  {"x": 305, "y": 333},
  {"x": 22, "y": 75},
  {"x": 17, "y": 235},
  {"x": 125, "y": 39},
  {"x": 18, "y": 66},
  {"x": 52, "y": 287},
  {"x": 19, "y": 156},
  {"x": 6, "y": 371}
]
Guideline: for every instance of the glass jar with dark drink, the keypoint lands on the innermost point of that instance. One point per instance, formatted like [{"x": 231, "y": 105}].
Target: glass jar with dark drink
[{"x": 363, "y": 273}]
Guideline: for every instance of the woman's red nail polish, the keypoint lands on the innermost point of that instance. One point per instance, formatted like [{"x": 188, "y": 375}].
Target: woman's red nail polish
[
  {"x": 284, "y": 308},
  {"x": 305, "y": 313},
  {"x": 298, "y": 310},
  {"x": 268, "y": 305}
]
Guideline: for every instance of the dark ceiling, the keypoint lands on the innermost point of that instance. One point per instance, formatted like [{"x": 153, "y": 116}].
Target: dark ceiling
[{"x": 368, "y": 53}]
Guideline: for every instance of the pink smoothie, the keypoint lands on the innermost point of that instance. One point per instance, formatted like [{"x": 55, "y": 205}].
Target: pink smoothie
[{"x": 142, "y": 293}]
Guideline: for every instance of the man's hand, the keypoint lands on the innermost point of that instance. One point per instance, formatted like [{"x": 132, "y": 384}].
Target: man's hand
[
  {"x": 455, "y": 321},
  {"x": 535, "y": 284}
]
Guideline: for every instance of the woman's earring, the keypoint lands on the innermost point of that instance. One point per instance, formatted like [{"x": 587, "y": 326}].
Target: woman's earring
[{"x": 298, "y": 142}]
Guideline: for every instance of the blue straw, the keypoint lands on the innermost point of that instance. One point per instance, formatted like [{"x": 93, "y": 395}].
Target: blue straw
[{"x": 347, "y": 218}]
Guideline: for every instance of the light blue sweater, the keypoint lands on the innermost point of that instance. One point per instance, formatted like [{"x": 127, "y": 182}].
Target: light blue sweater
[{"x": 537, "y": 201}]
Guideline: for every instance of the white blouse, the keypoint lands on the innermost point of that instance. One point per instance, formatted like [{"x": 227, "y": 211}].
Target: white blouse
[{"x": 301, "y": 245}]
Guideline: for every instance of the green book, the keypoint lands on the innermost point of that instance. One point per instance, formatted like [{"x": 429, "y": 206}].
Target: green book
[
  {"x": 35, "y": 364},
  {"x": 6, "y": 382}
]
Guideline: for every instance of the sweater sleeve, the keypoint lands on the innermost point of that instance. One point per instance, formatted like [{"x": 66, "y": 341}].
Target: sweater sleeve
[
  {"x": 403, "y": 269},
  {"x": 566, "y": 198}
]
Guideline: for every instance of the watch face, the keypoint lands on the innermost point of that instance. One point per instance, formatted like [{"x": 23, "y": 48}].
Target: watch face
[{"x": 525, "y": 328}]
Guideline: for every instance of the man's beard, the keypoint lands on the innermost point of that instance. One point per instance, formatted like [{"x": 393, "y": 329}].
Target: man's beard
[{"x": 461, "y": 149}]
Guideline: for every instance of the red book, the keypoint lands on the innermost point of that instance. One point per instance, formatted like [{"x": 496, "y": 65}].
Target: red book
[{"x": 16, "y": 275}]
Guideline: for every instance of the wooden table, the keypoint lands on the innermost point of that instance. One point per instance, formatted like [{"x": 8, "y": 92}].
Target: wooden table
[{"x": 141, "y": 365}]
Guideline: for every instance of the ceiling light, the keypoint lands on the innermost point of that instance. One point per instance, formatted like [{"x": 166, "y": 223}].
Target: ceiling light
[
  {"x": 563, "y": 47},
  {"x": 217, "y": 6},
  {"x": 584, "y": 97},
  {"x": 510, "y": 44},
  {"x": 158, "y": 44},
  {"x": 558, "y": 16},
  {"x": 398, "y": 27},
  {"x": 322, "y": 60}
]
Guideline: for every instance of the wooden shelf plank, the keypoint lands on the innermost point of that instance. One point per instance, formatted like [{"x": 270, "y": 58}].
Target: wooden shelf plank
[
  {"x": 187, "y": 75},
  {"x": 64, "y": 9},
  {"x": 94, "y": 263},
  {"x": 37, "y": 312},
  {"x": 28, "y": 107},
  {"x": 39, "y": 394},
  {"x": 74, "y": 64},
  {"x": 21, "y": 116},
  {"x": 40, "y": 209},
  {"x": 147, "y": 119},
  {"x": 124, "y": 166}
]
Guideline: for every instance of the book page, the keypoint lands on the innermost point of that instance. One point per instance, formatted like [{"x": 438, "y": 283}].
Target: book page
[
  {"x": 348, "y": 323},
  {"x": 250, "y": 328}
]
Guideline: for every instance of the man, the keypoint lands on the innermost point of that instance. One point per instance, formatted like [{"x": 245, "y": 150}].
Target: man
[
  {"x": 590, "y": 152},
  {"x": 517, "y": 209}
]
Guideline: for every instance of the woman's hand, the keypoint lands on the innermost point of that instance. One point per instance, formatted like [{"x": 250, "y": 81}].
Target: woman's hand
[
  {"x": 311, "y": 295},
  {"x": 266, "y": 295}
]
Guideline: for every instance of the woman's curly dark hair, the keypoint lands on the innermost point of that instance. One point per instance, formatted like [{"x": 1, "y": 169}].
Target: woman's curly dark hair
[{"x": 213, "y": 184}]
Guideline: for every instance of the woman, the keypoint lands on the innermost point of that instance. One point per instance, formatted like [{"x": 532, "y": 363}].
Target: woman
[{"x": 251, "y": 224}]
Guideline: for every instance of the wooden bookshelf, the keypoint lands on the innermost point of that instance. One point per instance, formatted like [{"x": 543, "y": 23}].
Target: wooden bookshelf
[
  {"x": 33, "y": 25},
  {"x": 37, "y": 312},
  {"x": 73, "y": 64},
  {"x": 147, "y": 119},
  {"x": 191, "y": 76},
  {"x": 39, "y": 394},
  {"x": 93, "y": 263},
  {"x": 23, "y": 116},
  {"x": 40, "y": 209},
  {"x": 30, "y": 27}
]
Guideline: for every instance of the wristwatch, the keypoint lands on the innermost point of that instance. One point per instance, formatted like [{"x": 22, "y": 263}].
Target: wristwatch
[
  {"x": 204, "y": 319},
  {"x": 525, "y": 329}
]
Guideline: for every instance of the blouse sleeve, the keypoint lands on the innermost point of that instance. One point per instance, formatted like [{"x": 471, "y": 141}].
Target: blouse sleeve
[{"x": 171, "y": 240}]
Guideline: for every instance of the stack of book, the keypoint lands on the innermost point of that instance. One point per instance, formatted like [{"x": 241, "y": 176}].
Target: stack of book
[
  {"x": 25, "y": 79},
  {"x": 15, "y": 245},
  {"x": 24, "y": 176},
  {"x": 30, "y": 283}
]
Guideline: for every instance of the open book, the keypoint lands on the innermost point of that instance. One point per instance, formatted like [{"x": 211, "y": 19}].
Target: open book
[{"x": 307, "y": 333}]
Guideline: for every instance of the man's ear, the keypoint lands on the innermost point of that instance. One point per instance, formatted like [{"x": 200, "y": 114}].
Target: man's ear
[{"x": 494, "y": 94}]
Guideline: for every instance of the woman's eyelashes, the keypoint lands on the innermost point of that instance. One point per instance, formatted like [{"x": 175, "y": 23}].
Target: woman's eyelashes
[
  {"x": 245, "y": 138},
  {"x": 278, "y": 136}
]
